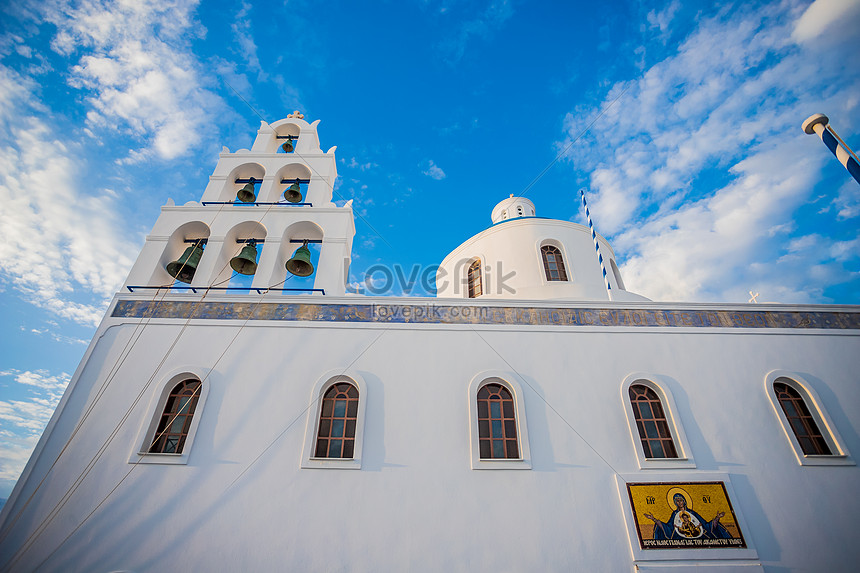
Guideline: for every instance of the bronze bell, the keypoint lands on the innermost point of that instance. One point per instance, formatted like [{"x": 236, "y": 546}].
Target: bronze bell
[
  {"x": 245, "y": 263},
  {"x": 288, "y": 145},
  {"x": 293, "y": 193},
  {"x": 247, "y": 194},
  {"x": 183, "y": 268},
  {"x": 300, "y": 265}
]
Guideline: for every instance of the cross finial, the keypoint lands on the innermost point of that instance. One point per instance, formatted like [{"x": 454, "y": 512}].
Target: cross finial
[
  {"x": 297, "y": 114},
  {"x": 753, "y": 297}
]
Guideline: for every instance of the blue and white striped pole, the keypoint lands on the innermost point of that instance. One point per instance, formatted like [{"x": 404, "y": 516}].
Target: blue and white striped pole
[
  {"x": 594, "y": 238},
  {"x": 819, "y": 123}
]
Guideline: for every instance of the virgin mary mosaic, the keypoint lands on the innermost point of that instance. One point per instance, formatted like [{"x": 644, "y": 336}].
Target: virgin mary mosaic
[{"x": 695, "y": 515}]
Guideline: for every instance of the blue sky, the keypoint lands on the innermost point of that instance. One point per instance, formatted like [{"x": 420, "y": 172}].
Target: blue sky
[{"x": 698, "y": 173}]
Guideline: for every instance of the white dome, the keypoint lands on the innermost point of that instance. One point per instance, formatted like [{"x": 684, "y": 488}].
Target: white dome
[
  {"x": 513, "y": 208},
  {"x": 531, "y": 258}
]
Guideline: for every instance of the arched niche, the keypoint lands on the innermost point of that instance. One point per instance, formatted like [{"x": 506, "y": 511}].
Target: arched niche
[
  {"x": 282, "y": 130},
  {"x": 230, "y": 248},
  {"x": 244, "y": 171},
  {"x": 297, "y": 231},
  {"x": 617, "y": 274},
  {"x": 176, "y": 245},
  {"x": 290, "y": 173}
]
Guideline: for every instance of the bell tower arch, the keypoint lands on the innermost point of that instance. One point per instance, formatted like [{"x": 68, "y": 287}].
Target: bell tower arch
[{"x": 257, "y": 203}]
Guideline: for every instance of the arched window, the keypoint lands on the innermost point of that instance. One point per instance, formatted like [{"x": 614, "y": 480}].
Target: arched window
[
  {"x": 474, "y": 279},
  {"x": 519, "y": 211},
  {"x": 553, "y": 264},
  {"x": 497, "y": 423},
  {"x": 175, "y": 422},
  {"x": 800, "y": 419},
  {"x": 338, "y": 415},
  {"x": 651, "y": 422}
]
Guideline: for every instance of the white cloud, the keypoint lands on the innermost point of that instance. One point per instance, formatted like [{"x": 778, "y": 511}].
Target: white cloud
[
  {"x": 823, "y": 14},
  {"x": 137, "y": 69},
  {"x": 433, "y": 171},
  {"x": 354, "y": 164},
  {"x": 848, "y": 200},
  {"x": 58, "y": 241},
  {"x": 661, "y": 19},
  {"x": 22, "y": 421},
  {"x": 705, "y": 153},
  {"x": 243, "y": 33}
]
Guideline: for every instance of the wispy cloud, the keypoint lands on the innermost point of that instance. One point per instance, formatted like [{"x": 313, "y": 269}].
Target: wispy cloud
[
  {"x": 353, "y": 163},
  {"x": 243, "y": 33},
  {"x": 705, "y": 152},
  {"x": 22, "y": 421},
  {"x": 493, "y": 16},
  {"x": 433, "y": 171},
  {"x": 57, "y": 240},
  {"x": 138, "y": 72}
]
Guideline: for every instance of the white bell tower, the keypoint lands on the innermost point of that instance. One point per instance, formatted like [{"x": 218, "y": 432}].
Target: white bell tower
[{"x": 223, "y": 224}]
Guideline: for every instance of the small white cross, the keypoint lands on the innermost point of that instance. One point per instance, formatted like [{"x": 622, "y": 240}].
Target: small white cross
[
  {"x": 297, "y": 114},
  {"x": 753, "y": 297}
]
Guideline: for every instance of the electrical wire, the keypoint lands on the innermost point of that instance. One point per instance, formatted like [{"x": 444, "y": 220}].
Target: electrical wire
[
  {"x": 311, "y": 167},
  {"x": 137, "y": 462},
  {"x": 569, "y": 145},
  {"x": 124, "y": 354},
  {"x": 545, "y": 401},
  {"x": 302, "y": 413},
  {"x": 118, "y": 364},
  {"x": 47, "y": 520}
]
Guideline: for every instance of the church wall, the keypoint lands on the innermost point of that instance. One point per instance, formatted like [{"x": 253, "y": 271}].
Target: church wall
[{"x": 416, "y": 504}]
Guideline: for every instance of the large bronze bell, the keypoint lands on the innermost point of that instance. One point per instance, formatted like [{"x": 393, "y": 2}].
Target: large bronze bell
[
  {"x": 247, "y": 194},
  {"x": 293, "y": 193},
  {"x": 245, "y": 263},
  {"x": 288, "y": 146},
  {"x": 183, "y": 268},
  {"x": 300, "y": 265}
]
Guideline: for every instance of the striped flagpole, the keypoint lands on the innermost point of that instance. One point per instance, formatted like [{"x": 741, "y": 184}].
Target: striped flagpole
[
  {"x": 819, "y": 123},
  {"x": 594, "y": 238}
]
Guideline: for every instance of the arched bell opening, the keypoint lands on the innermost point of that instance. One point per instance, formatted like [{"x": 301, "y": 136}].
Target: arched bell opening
[
  {"x": 239, "y": 183},
  {"x": 304, "y": 257},
  {"x": 285, "y": 189},
  {"x": 237, "y": 263},
  {"x": 182, "y": 255},
  {"x": 286, "y": 138}
]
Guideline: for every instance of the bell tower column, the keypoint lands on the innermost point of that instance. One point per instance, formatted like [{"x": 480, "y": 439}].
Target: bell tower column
[
  {"x": 206, "y": 271},
  {"x": 332, "y": 268},
  {"x": 269, "y": 258}
]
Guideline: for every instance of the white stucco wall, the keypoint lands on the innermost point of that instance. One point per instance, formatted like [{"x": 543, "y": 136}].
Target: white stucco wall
[{"x": 244, "y": 502}]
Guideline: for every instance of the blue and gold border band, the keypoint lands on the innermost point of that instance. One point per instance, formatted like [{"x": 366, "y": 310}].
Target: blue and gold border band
[{"x": 432, "y": 313}]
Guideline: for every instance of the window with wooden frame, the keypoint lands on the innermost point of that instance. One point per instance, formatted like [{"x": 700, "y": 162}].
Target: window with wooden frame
[
  {"x": 474, "y": 279},
  {"x": 497, "y": 423},
  {"x": 553, "y": 263},
  {"x": 800, "y": 420},
  {"x": 651, "y": 422},
  {"x": 338, "y": 415},
  {"x": 175, "y": 423}
]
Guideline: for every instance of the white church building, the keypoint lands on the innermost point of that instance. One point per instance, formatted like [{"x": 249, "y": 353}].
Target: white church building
[{"x": 541, "y": 418}]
